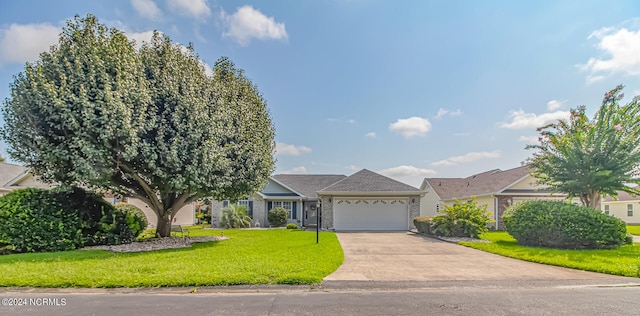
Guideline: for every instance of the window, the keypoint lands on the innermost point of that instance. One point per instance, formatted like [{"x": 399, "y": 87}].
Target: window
[
  {"x": 629, "y": 209},
  {"x": 247, "y": 203},
  {"x": 606, "y": 209},
  {"x": 287, "y": 205}
]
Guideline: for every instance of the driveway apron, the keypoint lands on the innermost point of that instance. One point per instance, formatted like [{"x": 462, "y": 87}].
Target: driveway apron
[{"x": 405, "y": 256}]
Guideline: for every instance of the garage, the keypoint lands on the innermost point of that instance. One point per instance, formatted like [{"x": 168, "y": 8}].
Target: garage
[
  {"x": 371, "y": 214},
  {"x": 370, "y": 201}
]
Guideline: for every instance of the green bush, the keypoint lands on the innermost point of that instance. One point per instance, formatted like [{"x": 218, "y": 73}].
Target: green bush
[
  {"x": 292, "y": 226},
  {"x": 235, "y": 216},
  {"x": 561, "y": 225},
  {"x": 423, "y": 224},
  {"x": 463, "y": 219},
  {"x": 64, "y": 218},
  {"x": 32, "y": 221},
  {"x": 277, "y": 216},
  {"x": 136, "y": 218}
]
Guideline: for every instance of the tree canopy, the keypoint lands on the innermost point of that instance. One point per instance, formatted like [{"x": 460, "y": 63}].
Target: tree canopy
[
  {"x": 591, "y": 158},
  {"x": 148, "y": 123}
]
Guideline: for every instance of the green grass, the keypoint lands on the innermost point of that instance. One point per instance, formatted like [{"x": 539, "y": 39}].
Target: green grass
[
  {"x": 633, "y": 229},
  {"x": 249, "y": 257},
  {"x": 624, "y": 261}
]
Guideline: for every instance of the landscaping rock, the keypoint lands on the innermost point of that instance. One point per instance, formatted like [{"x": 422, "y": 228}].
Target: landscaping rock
[{"x": 157, "y": 244}]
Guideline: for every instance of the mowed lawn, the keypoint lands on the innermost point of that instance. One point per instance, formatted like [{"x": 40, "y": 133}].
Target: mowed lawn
[
  {"x": 276, "y": 256},
  {"x": 623, "y": 261},
  {"x": 633, "y": 230}
]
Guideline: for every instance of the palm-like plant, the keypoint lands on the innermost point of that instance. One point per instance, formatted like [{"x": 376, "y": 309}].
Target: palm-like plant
[{"x": 235, "y": 216}]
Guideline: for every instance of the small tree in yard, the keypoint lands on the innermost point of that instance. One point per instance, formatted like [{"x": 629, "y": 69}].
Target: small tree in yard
[
  {"x": 591, "y": 158},
  {"x": 148, "y": 123}
]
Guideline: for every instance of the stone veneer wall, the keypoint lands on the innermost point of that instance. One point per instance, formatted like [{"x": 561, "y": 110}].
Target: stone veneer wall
[
  {"x": 327, "y": 212},
  {"x": 503, "y": 203},
  {"x": 259, "y": 212},
  {"x": 414, "y": 210}
]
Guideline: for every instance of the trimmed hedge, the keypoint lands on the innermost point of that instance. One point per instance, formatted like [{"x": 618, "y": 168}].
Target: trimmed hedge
[
  {"x": 423, "y": 224},
  {"x": 136, "y": 218},
  {"x": 277, "y": 216},
  {"x": 32, "y": 221},
  {"x": 555, "y": 224},
  {"x": 64, "y": 218}
]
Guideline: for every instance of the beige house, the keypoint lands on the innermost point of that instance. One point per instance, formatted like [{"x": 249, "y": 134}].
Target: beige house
[
  {"x": 14, "y": 177},
  {"x": 497, "y": 189},
  {"x": 626, "y": 207}
]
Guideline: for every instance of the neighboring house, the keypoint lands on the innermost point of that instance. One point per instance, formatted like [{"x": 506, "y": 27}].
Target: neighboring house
[
  {"x": 626, "y": 207},
  {"x": 363, "y": 201},
  {"x": 497, "y": 189},
  {"x": 13, "y": 177}
]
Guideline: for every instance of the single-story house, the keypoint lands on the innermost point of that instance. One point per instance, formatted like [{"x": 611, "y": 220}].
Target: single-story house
[
  {"x": 13, "y": 177},
  {"x": 497, "y": 189},
  {"x": 363, "y": 201},
  {"x": 626, "y": 207}
]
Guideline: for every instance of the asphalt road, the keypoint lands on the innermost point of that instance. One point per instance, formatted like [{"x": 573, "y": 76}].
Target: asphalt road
[{"x": 468, "y": 298}]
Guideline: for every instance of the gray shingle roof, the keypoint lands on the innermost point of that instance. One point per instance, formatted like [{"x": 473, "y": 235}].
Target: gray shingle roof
[
  {"x": 308, "y": 184},
  {"x": 369, "y": 181},
  {"x": 9, "y": 172},
  {"x": 479, "y": 184}
]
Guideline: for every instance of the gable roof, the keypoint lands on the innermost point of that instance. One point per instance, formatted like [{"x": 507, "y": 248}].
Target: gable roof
[
  {"x": 484, "y": 183},
  {"x": 10, "y": 172},
  {"x": 622, "y": 197},
  {"x": 369, "y": 181},
  {"x": 308, "y": 184}
]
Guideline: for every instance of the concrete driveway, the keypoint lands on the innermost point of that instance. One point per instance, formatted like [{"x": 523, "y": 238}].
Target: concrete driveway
[{"x": 405, "y": 256}]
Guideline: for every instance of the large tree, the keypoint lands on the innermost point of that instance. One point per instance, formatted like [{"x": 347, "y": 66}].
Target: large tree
[
  {"x": 591, "y": 158},
  {"x": 149, "y": 123}
]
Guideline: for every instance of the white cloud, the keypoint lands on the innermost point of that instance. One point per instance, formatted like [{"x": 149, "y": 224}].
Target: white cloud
[
  {"x": 555, "y": 104},
  {"x": 191, "y": 8},
  {"x": 21, "y": 43},
  {"x": 371, "y": 135},
  {"x": 248, "y": 23},
  {"x": 299, "y": 169},
  {"x": 622, "y": 47},
  {"x": 469, "y": 157},
  {"x": 139, "y": 37},
  {"x": 528, "y": 139},
  {"x": 521, "y": 120},
  {"x": 413, "y": 126},
  {"x": 147, "y": 9},
  {"x": 291, "y": 150},
  {"x": 352, "y": 168},
  {"x": 444, "y": 112},
  {"x": 408, "y": 174}
]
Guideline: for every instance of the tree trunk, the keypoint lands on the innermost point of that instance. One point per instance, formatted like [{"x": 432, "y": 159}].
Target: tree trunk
[{"x": 163, "y": 228}]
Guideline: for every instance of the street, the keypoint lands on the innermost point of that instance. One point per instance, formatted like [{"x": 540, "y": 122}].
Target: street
[{"x": 466, "y": 298}]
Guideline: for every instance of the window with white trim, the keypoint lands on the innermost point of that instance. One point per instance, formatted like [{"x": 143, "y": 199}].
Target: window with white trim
[
  {"x": 606, "y": 209},
  {"x": 629, "y": 209},
  {"x": 287, "y": 205}
]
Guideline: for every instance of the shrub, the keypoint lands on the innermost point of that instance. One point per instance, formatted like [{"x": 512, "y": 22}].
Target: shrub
[
  {"x": 136, "y": 218},
  {"x": 555, "y": 224},
  {"x": 277, "y": 216},
  {"x": 235, "y": 216},
  {"x": 292, "y": 226},
  {"x": 423, "y": 224},
  {"x": 463, "y": 219},
  {"x": 32, "y": 221}
]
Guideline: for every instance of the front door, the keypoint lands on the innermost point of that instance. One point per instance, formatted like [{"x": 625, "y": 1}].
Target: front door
[{"x": 310, "y": 214}]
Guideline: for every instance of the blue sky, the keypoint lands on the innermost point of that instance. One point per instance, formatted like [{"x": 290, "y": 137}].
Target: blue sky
[{"x": 406, "y": 88}]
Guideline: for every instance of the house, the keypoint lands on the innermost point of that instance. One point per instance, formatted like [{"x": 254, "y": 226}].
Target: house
[
  {"x": 13, "y": 177},
  {"x": 363, "y": 201},
  {"x": 626, "y": 207},
  {"x": 497, "y": 189}
]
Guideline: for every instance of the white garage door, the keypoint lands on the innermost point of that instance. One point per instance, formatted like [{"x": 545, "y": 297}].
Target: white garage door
[{"x": 370, "y": 214}]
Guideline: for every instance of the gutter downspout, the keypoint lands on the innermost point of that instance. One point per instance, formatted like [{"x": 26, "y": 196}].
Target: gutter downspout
[{"x": 495, "y": 211}]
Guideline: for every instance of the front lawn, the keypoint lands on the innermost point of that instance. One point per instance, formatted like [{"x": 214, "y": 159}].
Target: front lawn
[
  {"x": 633, "y": 230},
  {"x": 624, "y": 261},
  {"x": 276, "y": 256}
]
